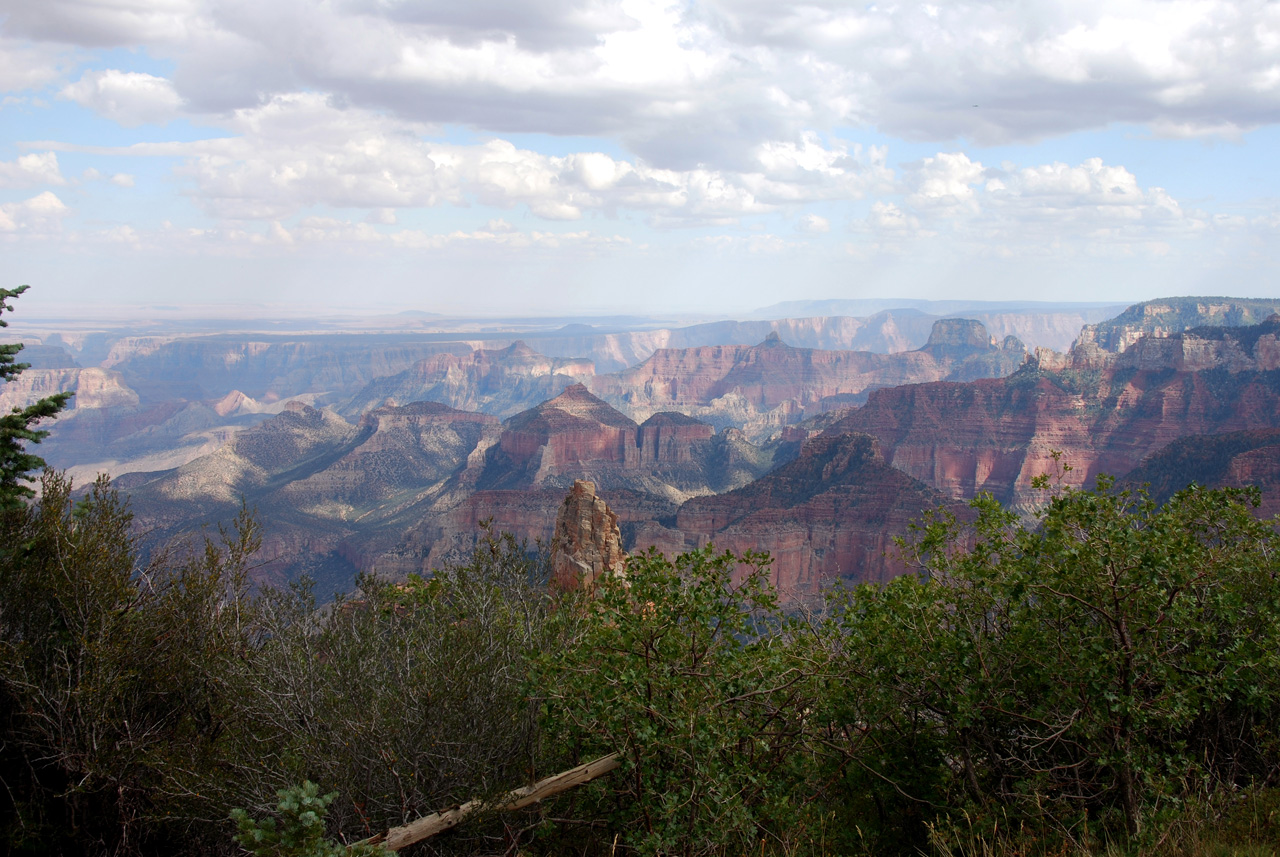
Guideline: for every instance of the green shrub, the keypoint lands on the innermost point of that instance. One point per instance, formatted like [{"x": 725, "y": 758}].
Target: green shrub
[
  {"x": 1086, "y": 675},
  {"x": 405, "y": 697},
  {"x": 703, "y": 685},
  {"x": 301, "y": 831},
  {"x": 110, "y": 706}
]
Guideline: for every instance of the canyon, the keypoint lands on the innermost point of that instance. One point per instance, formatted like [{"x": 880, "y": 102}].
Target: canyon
[{"x": 822, "y": 457}]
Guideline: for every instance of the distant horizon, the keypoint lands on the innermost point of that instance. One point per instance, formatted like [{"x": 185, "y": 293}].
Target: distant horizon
[{"x": 29, "y": 312}]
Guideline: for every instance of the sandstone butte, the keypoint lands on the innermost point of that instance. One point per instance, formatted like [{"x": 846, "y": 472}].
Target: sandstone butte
[
  {"x": 647, "y": 470},
  {"x": 1104, "y": 411}
]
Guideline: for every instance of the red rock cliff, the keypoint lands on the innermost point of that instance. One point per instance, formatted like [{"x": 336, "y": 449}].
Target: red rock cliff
[{"x": 1104, "y": 415}]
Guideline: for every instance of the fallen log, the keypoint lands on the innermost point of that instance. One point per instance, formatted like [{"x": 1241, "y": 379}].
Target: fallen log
[{"x": 438, "y": 822}]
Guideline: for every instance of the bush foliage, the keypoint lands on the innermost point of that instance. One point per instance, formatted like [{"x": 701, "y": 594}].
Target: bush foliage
[{"x": 1105, "y": 677}]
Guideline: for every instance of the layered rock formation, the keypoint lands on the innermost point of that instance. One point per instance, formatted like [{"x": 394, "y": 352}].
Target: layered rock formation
[
  {"x": 195, "y": 389},
  {"x": 1168, "y": 316},
  {"x": 406, "y": 488},
  {"x": 587, "y": 541},
  {"x": 577, "y": 435},
  {"x": 647, "y": 470},
  {"x": 771, "y": 385},
  {"x": 502, "y": 381},
  {"x": 267, "y": 368},
  {"x": 329, "y": 491},
  {"x": 1104, "y": 412},
  {"x": 832, "y": 513}
]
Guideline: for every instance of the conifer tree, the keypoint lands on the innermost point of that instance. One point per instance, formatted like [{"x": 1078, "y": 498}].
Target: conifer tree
[{"x": 17, "y": 427}]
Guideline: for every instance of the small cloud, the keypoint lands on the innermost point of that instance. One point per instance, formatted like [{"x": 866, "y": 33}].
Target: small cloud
[
  {"x": 498, "y": 226},
  {"x": 552, "y": 210},
  {"x": 122, "y": 180},
  {"x": 42, "y": 213},
  {"x": 128, "y": 97},
  {"x": 381, "y": 216},
  {"x": 38, "y": 168},
  {"x": 813, "y": 224}
]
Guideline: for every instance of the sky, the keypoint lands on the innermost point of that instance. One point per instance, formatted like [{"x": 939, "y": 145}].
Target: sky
[{"x": 587, "y": 156}]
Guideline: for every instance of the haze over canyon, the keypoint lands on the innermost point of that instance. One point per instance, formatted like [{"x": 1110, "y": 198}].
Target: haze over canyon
[{"x": 819, "y": 439}]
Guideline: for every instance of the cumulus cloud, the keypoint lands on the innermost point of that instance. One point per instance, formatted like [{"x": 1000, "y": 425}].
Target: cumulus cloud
[
  {"x": 27, "y": 66},
  {"x": 944, "y": 181},
  {"x": 39, "y": 214},
  {"x": 534, "y": 24},
  {"x": 128, "y": 97},
  {"x": 38, "y": 168},
  {"x": 1092, "y": 207},
  {"x": 302, "y": 150},
  {"x": 703, "y": 84}
]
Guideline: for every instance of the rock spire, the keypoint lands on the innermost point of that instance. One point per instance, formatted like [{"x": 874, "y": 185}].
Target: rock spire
[{"x": 587, "y": 542}]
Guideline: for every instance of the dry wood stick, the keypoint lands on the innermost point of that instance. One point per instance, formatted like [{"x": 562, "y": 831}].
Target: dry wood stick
[{"x": 429, "y": 825}]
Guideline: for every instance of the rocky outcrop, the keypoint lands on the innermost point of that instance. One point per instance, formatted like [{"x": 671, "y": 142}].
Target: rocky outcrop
[
  {"x": 1166, "y": 317},
  {"x": 766, "y": 387},
  {"x": 501, "y": 381},
  {"x": 93, "y": 389},
  {"x": 587, "y": 541},
  {"x": 1236, "y": 349},
  {"x": 1104, "y": 415}
]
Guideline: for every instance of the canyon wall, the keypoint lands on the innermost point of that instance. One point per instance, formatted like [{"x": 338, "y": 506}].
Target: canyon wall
[{"x": 1104, "y": 412}]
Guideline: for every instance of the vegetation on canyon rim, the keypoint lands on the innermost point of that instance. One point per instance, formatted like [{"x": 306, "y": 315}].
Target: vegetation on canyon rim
[{"x": 1108, "y": 678}]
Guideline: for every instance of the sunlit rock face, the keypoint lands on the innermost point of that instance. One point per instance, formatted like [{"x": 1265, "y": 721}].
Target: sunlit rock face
[
  {"x": 587, "y": 542},
  {"x": 1166, "y": 317},
  {"x": 1104, "y": 412}
]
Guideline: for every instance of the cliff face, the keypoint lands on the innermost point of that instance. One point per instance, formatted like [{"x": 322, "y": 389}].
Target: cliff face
[
  {"x": 501, "y": 381},
  {"x": 207, "y": 368},
  {"x": 1104, "y": 412},
  {"x": 765, "y": 387},
  {"x": 579, "y": 436},
  {"x": 830, "y": 514},
  {"x": 93, "y": 388},
  {"x": 1169, "y": 316}
]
